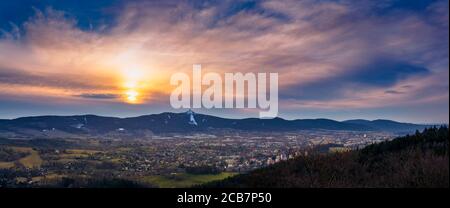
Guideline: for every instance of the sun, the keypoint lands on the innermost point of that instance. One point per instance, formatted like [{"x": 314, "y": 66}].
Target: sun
[
  {"x": 132, "y": 96},
  {"x": 132, "y": 86}
]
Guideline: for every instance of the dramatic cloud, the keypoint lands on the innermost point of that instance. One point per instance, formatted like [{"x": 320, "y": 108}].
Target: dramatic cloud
[
  {"x": 329, "y": 54},
  {"x": 98, "y": 96}
]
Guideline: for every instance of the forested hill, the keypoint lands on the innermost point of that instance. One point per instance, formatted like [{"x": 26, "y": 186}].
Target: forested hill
[
  {"x": 188, "y": 122},
  {"x": 419, "y": 160}
]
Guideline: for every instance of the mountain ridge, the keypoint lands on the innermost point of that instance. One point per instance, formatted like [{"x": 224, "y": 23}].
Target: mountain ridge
[{"x": 168, "y": 122}]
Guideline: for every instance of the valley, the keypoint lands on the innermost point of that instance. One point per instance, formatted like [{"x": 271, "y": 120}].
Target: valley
[{"x": 167, "y": 160}]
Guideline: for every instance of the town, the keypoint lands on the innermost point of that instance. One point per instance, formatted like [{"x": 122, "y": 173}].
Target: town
[{"x": 167, "y": 160}]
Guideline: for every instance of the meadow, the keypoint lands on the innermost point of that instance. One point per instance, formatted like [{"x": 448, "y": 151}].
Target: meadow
[{"x": 183, "y": 180}]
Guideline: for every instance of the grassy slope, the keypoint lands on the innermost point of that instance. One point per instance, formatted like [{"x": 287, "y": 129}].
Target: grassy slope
[
  {"x": 32, "y": 160},
  {"x": 184, "y": 180}
]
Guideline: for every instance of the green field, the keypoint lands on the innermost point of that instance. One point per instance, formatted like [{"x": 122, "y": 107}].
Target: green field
[
  {"x": 5, "y": 165},
  {"x": 184, "y": 180},
  {"x": 33, "y": 160}
]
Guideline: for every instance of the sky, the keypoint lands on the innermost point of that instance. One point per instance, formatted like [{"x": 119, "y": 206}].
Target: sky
[{"x": 336, "y": 59}]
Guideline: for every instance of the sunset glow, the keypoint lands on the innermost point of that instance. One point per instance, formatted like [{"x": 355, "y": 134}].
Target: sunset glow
[
  {"x": 193, "y": 95},
  {"x": 333, "y": 60},
  {"x": 132, "y": 96}
]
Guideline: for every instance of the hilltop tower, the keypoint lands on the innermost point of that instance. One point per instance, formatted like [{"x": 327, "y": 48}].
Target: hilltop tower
[{"x": 191, "y": 117}]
